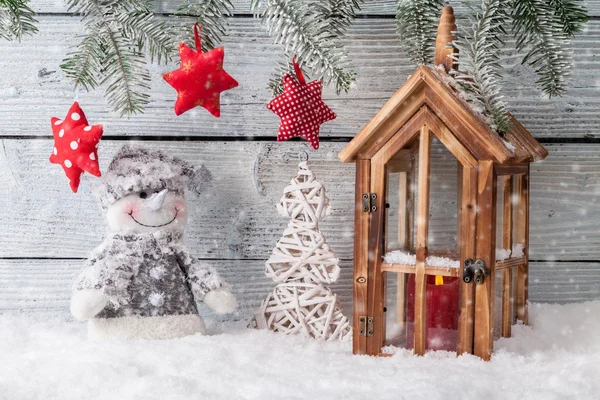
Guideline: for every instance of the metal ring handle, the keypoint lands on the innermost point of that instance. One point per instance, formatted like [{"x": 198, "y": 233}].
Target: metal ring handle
[{"x": 303, "y": 156}]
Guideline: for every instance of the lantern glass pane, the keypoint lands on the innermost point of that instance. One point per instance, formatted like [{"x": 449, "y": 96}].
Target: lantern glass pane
[
  {"x": 442, "y": 238},
  {"x": 400, "y": 210}
]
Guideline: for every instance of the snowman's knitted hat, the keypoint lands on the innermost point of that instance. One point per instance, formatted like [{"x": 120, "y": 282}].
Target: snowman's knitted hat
[{"x": 136, "y": 169}]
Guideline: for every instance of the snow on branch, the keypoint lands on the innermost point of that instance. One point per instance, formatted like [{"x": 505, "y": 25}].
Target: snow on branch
[
  {"x": 311, "y": 30},
  {"x": 417, "y": 22},
  {"x": 540, "y": 29},
  {"x": 479, "y": 62}
]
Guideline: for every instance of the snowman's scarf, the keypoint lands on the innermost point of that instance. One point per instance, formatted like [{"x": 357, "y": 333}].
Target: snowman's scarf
[{"x": 118, "y": 259}]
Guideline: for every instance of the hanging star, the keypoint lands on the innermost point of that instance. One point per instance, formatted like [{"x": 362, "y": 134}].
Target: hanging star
[
  {"x": 200, "y": 79},
  {"x": 301, "y": 108},
  {"x": 75, "y": 145}
]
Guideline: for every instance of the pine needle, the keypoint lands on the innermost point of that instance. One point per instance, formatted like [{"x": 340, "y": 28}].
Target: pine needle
[
  {"x": 417, "y": 22},
  {"x": 540, "y": 30},
  {"x": 16, "y": 19},
  {"x": 210, "y": 14},
  {"x": 310, "y": 30},
  {"x": 479, "y": 62},
  {"x": 112, "y": 51}
]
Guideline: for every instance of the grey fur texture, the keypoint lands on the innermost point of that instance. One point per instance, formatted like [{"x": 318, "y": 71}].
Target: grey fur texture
[
  {"x": 147, "y": 275},
  {"x": 135, "y": 169}
]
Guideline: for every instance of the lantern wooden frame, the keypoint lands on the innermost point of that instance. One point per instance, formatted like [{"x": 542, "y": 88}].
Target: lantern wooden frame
[{"x": 427, "y": 105}]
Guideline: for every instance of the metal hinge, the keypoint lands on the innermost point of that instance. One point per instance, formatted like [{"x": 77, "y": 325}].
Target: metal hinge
[
  {"x": 365, "y": 325},
  {"x": 369, "y": 202},
  {"x": 475, "y": 271}
]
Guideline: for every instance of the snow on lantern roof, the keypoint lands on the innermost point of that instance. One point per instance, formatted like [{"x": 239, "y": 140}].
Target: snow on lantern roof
[{"x": 430, "y": 96}]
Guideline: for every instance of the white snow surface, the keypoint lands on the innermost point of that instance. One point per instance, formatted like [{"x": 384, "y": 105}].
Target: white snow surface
[
  {"x": 557, "y": 357},
  {"x": 517, "y": 251},
  {"x": 401, "y": 257}
]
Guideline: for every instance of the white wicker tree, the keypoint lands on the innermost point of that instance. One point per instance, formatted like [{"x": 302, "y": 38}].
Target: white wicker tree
[{"x": 301, "y": 262}]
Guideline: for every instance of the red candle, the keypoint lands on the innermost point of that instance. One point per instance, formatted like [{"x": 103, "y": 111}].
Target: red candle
[{"x": 442, "y": 313}]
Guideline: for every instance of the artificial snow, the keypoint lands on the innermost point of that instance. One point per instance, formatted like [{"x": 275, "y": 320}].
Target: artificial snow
[
  {"x": 509, "y": 145},
  {"x": 557, "y": 357},
  {"x": 516, "y": 252},
  {"x": 401, "y": 257}
]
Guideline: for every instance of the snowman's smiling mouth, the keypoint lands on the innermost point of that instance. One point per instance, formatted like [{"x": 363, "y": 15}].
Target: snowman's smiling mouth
[{"x": 154, "y": 226}]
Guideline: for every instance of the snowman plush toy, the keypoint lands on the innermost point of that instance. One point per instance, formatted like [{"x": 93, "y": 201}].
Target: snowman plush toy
[{"x": 141, "y": 282}]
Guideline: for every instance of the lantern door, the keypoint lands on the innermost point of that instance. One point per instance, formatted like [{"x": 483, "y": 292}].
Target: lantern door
[{"x": 420, "y": 232}]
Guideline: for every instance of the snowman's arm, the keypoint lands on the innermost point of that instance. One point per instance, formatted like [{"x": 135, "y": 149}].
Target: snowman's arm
[
  {"x": 206, "y": 283},
  {"x": 90, "y": 276},
  {"x": 87, "y": 299},
  {"x": 202, "y": 277}
]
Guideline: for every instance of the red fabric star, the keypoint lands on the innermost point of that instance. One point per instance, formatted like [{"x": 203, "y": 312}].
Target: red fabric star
[
  {"x": 75, "y": 145},
  {"x": 301, "y": 108},
  {"x": 200, "y": 79}
]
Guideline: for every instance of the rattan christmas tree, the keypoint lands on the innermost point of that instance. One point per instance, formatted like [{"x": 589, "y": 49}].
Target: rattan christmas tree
[{"x": 301, "y": 263}]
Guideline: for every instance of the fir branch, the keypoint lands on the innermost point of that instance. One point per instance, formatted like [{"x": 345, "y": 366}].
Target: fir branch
[
  {"x": 479, "y": 61},
  {"x": 339, "y": 14},
  {"x": 537, "y": 27},
  {"x": 125, "y": 75},
  {"x": 210, "y": 15},
  {"x": 111, "y": 53},
  {"x": 417, "y": 22},
  {"x": 83, "y": 64},
  {"x": 16, "y": 19},
  {"x": 572, "y": 16},
  {"x": 298, "y": 26},
  {"x": 151, "y": 35}
]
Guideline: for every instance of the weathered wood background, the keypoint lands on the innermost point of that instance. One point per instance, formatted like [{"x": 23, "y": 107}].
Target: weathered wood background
[{"x": 46, "y": 231}]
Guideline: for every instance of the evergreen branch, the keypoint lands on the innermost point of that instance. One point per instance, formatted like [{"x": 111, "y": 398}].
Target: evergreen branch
[
  {"x": 296, "y": 26},
  {"x": 417, "y": 22},
  {"x": 479, "y": 49},
  {"x": 125, "y": 75},
  {"x": 111, "y": 53},
  {"x": 151, "y": 34},
  {"x": 572, "y": 16},
  {"x": 338, "y": 13},
  {"x": 16, "y": 19},
  {"x": 209, "y": 14},
  {"x": 537, "y": 27},
  {"x": 82, "y": 65}
]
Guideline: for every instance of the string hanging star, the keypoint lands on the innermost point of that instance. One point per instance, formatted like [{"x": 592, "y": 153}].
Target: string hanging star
[
  {"x": 200, "y": 79},
  {"x": 75, "y": 145},
  {"x": 300, "y": 108}
]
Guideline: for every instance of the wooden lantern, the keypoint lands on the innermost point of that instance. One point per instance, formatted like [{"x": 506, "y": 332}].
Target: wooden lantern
[{"x": 399, "y": 160}]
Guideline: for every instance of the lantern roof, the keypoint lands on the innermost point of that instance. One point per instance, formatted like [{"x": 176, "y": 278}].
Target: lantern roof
[{"x": 432, "y": 94}]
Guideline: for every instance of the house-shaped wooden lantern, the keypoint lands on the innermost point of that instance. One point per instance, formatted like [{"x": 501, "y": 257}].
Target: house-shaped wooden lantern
[{"x": 441, "y": 234}]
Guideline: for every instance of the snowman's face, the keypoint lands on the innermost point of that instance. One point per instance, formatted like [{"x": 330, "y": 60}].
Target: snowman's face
[{"x": 147, "y": 212}]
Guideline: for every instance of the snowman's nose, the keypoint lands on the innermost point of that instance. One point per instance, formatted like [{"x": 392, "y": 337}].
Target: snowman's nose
[{"x": 155, "y": 202}]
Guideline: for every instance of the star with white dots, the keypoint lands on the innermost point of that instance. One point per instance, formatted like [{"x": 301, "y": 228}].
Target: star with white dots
[{"x": 75, "y": 145}]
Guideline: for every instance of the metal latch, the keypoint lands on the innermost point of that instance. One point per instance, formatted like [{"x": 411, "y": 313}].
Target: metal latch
[
  {"x": 369, "y": 202},
  {"x": 474, "y": 270},
  {"x": 365, "y": 325}
]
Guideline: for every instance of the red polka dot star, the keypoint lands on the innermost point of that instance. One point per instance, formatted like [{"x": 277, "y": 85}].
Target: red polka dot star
[
  {"x": 75, "y": 145},
  {"x": 301, "y": 108},
  {"x": 200, "y": 79}
]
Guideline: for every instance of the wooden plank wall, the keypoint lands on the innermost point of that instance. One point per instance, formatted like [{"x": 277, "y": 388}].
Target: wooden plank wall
[{"x": 46, "y": 231}]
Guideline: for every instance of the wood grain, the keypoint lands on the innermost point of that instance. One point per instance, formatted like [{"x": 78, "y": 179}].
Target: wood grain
[
  {"x": 42, "y": 287},
  {"x": 376, "y": 287},
  {"x": 40, "y": 217},
  {"x": 420, "y": 328},
  {"x": 361, "y": 254},
  {"x": 468, "y": 221},
  {"x": 486, "y": 228},
  {"x": 507, "y": 243},
  {"x": 372, "y": 7},
  {"x": 33, "y": 88}
]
